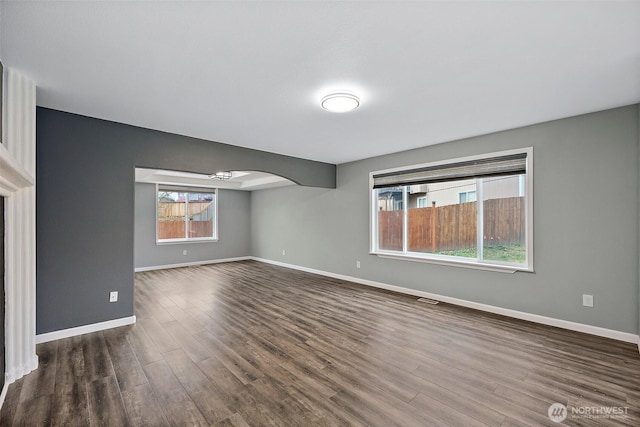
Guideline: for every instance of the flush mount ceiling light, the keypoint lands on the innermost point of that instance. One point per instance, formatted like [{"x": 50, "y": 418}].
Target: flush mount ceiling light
[
  {"x": 222, "y": 176},
  {"x": 340, "y": 102}
]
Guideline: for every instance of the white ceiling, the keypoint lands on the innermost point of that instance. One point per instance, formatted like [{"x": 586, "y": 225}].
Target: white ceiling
[
  {"x": 240, "y": 180},
  {"x": 252, "y": 73}
]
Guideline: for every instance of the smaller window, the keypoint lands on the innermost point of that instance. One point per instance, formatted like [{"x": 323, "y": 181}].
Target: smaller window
[
  {"x": 466, "y": 196},
  {"x": 422, "y": 202},
  {"x": 186, "y": 214}
]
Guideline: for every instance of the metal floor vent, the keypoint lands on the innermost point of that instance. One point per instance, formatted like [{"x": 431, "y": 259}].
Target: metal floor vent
[{"x": 428, "y": 301}]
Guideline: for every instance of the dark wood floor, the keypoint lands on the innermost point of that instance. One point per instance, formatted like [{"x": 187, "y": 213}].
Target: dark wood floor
[{"x": 252, "y": 344}]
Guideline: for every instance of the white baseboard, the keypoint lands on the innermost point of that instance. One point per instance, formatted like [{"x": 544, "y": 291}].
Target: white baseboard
[
  {"x": 191, "y": 264},
  {"x": 85, "y": 329},
  {"x": 564, "y": 324}
]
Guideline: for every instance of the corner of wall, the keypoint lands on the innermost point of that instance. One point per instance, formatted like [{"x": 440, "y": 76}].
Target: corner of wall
[{"x": 19, "y": 139}]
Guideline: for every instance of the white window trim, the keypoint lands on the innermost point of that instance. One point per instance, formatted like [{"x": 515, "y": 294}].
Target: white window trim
[
  {"x": 457, "y": 261},
  {"x": 185, "y": 240}
]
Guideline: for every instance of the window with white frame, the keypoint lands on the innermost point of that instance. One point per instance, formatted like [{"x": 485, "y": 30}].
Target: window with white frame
[
  {"x": 186, "y": 214},
  {"x": 422, "y": 202},
  {"x": 466, "y": 196},
  {"x": 482, "y": 218}
]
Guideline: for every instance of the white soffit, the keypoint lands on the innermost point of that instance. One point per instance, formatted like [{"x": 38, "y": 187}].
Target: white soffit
[{"x": 241, "y": 180}]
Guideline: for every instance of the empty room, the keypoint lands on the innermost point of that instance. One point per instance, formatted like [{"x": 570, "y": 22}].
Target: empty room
[{"x": 320, "y": 213}]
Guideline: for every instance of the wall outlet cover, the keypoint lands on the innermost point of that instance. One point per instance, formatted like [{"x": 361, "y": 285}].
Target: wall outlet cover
[
  {"x": 587, "y": 300},
  {"x": 113, "y": 296}
]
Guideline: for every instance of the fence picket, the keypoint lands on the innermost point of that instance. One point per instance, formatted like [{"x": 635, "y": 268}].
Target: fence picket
[{"x": 453, "y": 227}]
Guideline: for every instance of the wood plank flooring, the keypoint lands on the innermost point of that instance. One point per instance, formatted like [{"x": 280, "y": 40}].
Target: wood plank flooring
[{"x": 250, "y": 344}]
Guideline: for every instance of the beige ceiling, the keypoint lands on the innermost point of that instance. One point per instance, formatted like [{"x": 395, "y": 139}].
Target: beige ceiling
[{"x": 251, "y": 73}]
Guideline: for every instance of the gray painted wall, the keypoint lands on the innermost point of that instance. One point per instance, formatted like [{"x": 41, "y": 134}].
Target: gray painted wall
[
  {"x": 85, "y": 206},
  {"x": 586, "y": 194},
  {"x": 234, "y": 231}
]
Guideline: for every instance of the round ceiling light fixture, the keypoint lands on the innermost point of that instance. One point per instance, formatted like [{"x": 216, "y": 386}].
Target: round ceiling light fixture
[{"x": 340, "y": 102}]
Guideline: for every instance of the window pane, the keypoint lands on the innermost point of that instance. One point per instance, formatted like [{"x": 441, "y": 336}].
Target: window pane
[
  {"x": 201, "y": 211},
  {"x": 476, "y": 219},
  {"x": 466, "y": 196},
  {"x": 389, "y": 205},
  {"x": 171, "y": 215},
  {"x": 504, "y": 219},
  {"x": 446, "y": 227}
]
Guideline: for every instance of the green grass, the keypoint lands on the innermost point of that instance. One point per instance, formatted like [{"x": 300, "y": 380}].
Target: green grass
[{"x": 506, "y": 253}]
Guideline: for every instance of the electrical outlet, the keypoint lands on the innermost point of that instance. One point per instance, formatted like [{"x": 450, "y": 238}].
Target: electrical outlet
[
  {"x": 587, "y": 300},
  {"x": 184, "y": 252},
  {"x": 284, "y": 252},
  {"x": 357, "y": 264},
  {"x": 113, "y": 296}
]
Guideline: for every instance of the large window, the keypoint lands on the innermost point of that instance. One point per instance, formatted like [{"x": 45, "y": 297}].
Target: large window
[
  {"x": 186, "y": 214},
  {"x": 479, "y": 215}
]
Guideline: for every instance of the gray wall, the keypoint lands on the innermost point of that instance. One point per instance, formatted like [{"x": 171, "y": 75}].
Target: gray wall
[
  {"x": 585, "y": 218},
  {"x": 587, "y": 192},
  {"x": 85, "y": 206},
  {"x": 234, "y": 231}
]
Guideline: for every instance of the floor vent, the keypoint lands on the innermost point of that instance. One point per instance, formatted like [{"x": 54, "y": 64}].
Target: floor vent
[{"x": 428, "y": 301}]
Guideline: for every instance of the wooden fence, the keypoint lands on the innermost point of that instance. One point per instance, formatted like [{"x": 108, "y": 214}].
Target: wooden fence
[
  {"x": 453, "y": 227},
  {"x": 178, "y": 209},
  {"x": 504, "y": 221},
  {"x": 176, "y": 229}
]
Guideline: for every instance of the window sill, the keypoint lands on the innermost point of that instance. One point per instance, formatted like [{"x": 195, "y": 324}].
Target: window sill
[
  {"x": 184, "y": 241},
  {"x": 501, "y": 268}
]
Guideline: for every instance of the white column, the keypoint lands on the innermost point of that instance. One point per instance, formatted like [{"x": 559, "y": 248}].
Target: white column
[{"x": 19, "y": 141}]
